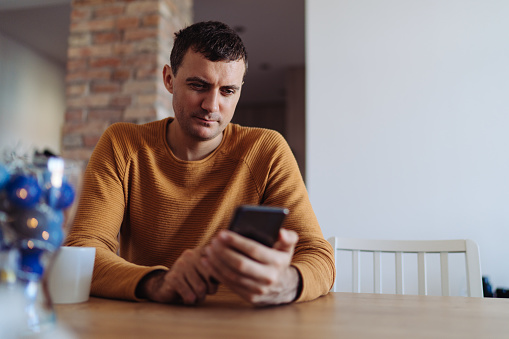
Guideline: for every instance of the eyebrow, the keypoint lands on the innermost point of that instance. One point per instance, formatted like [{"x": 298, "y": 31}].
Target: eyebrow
[{"x": 198, "y": 79}]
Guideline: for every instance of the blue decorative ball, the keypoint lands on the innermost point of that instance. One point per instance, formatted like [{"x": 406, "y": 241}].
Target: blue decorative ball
[
  {"x": 62, "y": 197},
  {"x": 23, "y": 191}
]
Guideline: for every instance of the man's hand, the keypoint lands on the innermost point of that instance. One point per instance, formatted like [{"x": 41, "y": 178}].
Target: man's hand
[
  {"x": 188, "y": 281},
  {"x": 259, "y": 274}
]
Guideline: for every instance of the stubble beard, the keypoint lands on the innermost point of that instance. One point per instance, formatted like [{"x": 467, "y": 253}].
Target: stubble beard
[{"x": 194, "y": 129}]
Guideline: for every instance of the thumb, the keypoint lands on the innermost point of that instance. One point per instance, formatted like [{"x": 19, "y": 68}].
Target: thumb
[{"x": 287, "y": 240}]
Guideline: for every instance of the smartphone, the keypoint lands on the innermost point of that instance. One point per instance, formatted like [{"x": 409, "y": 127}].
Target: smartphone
[{"x": 260, "y": 223}]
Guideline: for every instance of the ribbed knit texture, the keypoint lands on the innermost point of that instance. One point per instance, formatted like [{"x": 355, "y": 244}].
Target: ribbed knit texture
[{"x": 137, "y": 192}]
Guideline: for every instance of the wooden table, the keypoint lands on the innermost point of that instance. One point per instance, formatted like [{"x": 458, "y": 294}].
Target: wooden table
[{"x": 336, "y": 315}]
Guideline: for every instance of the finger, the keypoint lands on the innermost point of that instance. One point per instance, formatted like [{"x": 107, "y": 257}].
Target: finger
[
  {"x": 234, "y": 267},
  {"x": 198, "y": 276},
  {"x": 214, "y": 277},
  {"x": 231, "y": 278},
  {"x": 197, "y": 283},
  {"x": 207, "y": 275},
  {"x": 184, "y": 278},
  {"x": 250, "y": 295},
  {"x": 183, "y": 289},
  {"x": 246, "y": 246},
  {"x": 247, "y": 289},
  {"x": 287, "y": 240}
]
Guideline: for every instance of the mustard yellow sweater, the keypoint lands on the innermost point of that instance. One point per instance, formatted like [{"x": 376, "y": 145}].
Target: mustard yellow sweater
[{"x": 141, "y": 207}]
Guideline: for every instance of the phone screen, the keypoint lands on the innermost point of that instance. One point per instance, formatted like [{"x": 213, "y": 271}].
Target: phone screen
[{"x": 260, "y": 223}]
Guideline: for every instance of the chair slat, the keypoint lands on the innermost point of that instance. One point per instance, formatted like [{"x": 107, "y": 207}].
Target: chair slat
[
  {"x": 377, "y": 268},
  {"x": 356, "y": 272},
  {"x": 444, "y": 272},
  {"x": 400, "y": 288},
  {"x": 421, "y": 273}
]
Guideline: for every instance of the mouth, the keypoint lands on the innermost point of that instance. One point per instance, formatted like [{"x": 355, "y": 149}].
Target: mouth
[{"x": 204, "y": 120}]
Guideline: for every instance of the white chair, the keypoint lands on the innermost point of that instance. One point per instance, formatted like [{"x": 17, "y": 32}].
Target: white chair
[{"x": 419, "y": 247}]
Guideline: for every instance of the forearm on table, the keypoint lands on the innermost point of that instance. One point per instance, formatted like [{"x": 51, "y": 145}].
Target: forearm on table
[
  {"x": 315, "y": 281},
  {"x": 114, "y": 277},
  {"x": 317, "y": 269}
]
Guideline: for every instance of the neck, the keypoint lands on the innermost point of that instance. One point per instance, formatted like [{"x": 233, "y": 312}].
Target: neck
[{"x": 186, "y": 148}]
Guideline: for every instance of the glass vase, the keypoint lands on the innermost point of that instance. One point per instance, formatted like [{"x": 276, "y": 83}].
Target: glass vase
[{"x": 38, "y": 197}]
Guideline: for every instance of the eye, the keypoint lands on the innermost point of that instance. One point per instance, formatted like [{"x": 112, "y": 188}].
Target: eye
[
  {"x": 197, "y": 86},
  {"x": 228, "y": 91}
]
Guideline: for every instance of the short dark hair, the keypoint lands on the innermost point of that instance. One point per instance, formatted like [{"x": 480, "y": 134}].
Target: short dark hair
[{"x": 215, "y": 40}]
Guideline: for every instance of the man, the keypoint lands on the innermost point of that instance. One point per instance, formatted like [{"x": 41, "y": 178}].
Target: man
[{"x": 168, "y": 189}]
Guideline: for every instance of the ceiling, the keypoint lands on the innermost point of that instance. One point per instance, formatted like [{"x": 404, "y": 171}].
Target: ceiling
[{"x": 273, "y": 32}]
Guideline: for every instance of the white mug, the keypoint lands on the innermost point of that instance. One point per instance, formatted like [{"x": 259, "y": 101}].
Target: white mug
[{"x": 70, "y": 277}]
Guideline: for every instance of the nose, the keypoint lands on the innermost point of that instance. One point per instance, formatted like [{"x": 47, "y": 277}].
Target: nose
[{"x": 211, "y": 101}]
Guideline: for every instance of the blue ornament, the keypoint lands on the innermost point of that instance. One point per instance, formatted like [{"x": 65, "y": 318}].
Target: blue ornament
[
  {"x": 31, "y": 261},
  {"x": 4, "y": 176},
  {"x": 42, "y": 225},
  {"x": 23, "y": 191},
  {"x": 61, "y": 197}
]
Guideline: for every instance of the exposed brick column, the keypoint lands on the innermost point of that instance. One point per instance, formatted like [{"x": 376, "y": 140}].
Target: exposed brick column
[{"x": 116, "y": 53}]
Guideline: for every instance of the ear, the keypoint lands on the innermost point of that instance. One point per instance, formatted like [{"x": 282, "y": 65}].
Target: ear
[{"x": 168, "y": 78}]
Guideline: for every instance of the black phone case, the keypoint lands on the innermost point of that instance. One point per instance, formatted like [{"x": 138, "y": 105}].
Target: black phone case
[{"x": 260, "y": 223}]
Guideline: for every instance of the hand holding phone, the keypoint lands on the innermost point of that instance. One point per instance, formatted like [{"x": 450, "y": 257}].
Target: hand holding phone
[{"x": 260, "y": 223}]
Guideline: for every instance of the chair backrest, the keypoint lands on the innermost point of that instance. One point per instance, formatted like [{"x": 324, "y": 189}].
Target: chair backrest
[{"x": 419, "y": 247}]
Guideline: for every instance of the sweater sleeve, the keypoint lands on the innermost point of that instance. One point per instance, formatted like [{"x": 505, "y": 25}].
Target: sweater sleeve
[
  {"x": 99, "y": 216},
  {"x": 313, "y": 255}
]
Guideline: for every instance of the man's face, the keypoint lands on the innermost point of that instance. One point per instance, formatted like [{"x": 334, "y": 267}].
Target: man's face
[{"x": 205, "y": 94}]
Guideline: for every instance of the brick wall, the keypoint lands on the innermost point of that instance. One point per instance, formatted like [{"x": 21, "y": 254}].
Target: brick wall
[{"x": 116, "y": 53}]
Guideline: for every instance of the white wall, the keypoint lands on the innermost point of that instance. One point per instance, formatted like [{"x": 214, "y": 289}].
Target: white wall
[
  {"x": 408, "y": 121},
  {"x": 32, "y": 98}
]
